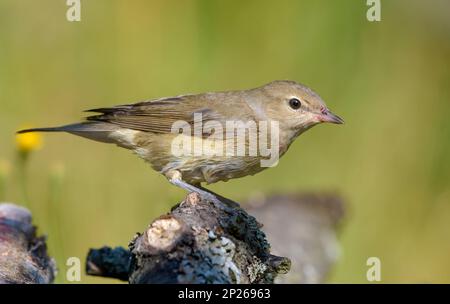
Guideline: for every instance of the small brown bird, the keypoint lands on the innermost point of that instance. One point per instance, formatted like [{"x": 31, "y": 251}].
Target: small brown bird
[{"x": 215, "y": 149}]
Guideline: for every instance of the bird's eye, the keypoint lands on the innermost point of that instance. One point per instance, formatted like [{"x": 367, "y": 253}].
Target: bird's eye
[{"x": 294, "y": 103}]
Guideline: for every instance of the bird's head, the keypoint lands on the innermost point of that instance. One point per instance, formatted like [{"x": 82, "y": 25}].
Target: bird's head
[{"x": 295, "y": 106}]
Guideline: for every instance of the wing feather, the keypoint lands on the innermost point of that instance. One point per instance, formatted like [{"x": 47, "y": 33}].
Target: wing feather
[{"x": 156, "y": 116}]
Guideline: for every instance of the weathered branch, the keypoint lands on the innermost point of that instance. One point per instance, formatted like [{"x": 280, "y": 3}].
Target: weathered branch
[
  {"x": 195, "y": 243},
  {"x": 198, "y": 243},
  {"x": 23, "y": 255},
  {"x": 109, "y": 262}
]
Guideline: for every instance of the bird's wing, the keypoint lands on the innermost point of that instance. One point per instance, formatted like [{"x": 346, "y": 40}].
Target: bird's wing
[{"x": 159, "y": 115}]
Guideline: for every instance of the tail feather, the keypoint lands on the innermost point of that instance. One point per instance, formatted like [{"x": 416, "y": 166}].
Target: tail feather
[
  {"x": 98, "y": 131},
  {"x": 54, "y": 129}
]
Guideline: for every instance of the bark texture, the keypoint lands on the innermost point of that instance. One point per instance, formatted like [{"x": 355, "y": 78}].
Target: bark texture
[
  {"x": 23, "y": 255},
  {"x": 195, "y": 243}
]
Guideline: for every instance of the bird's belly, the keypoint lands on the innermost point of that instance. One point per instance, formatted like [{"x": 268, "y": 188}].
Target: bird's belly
[
  {"x": 211, "y": 170},
  {"x": 157, "y": 150}
]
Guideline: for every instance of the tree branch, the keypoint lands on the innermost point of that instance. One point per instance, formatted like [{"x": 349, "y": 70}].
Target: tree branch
[
  {"x": 195, "y": 243},
  {"x": 23, "y": 255}
]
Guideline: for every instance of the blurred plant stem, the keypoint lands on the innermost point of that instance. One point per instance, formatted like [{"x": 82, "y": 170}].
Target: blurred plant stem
[
  {"x": 2, "y": 186},
  {"x": 22, "y": 161},
  {"x": 4, "y": 172},
  {"x": 54, "y": 214},
  {"x": 26, "y": 143}
]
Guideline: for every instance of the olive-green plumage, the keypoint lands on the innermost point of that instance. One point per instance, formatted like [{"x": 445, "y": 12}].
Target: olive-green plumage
[{"x": 146, "y": 127}]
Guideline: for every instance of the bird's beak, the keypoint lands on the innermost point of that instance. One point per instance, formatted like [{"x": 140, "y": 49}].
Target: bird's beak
[{"x": 327, "y": 116}]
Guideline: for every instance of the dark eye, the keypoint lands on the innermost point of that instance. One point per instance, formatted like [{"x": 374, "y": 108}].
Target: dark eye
[{"x": 295, "y": 103}]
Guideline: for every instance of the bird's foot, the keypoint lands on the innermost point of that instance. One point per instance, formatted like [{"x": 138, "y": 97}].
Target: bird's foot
[{"x": 206, "y": 195}]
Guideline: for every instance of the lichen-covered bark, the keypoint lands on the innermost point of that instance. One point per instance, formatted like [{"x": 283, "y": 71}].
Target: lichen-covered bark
[
  {"x": 23, "y": 255},
  {"x": 109, "y": 262},
  {"x": 199, "y": 243}
]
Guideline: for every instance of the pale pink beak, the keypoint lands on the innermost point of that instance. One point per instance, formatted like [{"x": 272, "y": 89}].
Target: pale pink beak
[{"x": 327, "y": 116}]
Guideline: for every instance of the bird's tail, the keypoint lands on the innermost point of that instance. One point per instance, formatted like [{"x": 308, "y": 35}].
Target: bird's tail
[
  {"x": 98, "y": 131},
  {"x": 53, "y": 129}
]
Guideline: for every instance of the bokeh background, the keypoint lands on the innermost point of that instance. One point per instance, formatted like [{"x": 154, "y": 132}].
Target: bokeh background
[{"x": 388, "y": 79}]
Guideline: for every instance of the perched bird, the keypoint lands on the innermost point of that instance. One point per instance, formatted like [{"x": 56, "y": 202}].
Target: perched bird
[{"x": 152, "y": 130}]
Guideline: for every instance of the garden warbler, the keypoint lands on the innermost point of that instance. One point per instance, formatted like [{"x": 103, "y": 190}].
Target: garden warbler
[{"x": 224, "y": 135}]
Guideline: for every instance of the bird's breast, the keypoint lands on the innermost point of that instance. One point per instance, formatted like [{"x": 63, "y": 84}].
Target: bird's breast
[{"x": 217, "y": 160}]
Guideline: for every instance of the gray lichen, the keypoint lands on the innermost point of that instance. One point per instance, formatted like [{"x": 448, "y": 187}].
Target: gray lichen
[{"x": 203, "y": 244}]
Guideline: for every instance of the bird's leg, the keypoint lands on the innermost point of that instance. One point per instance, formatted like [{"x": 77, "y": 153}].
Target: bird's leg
[{"x": 175, "y": 178}]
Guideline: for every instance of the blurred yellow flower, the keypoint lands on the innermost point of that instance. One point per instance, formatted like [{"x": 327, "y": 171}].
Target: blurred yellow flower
[{"x": 28, "y": 142}]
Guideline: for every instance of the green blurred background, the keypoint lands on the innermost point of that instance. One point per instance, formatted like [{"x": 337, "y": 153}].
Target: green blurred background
[{"x": 388, "y": 79}]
